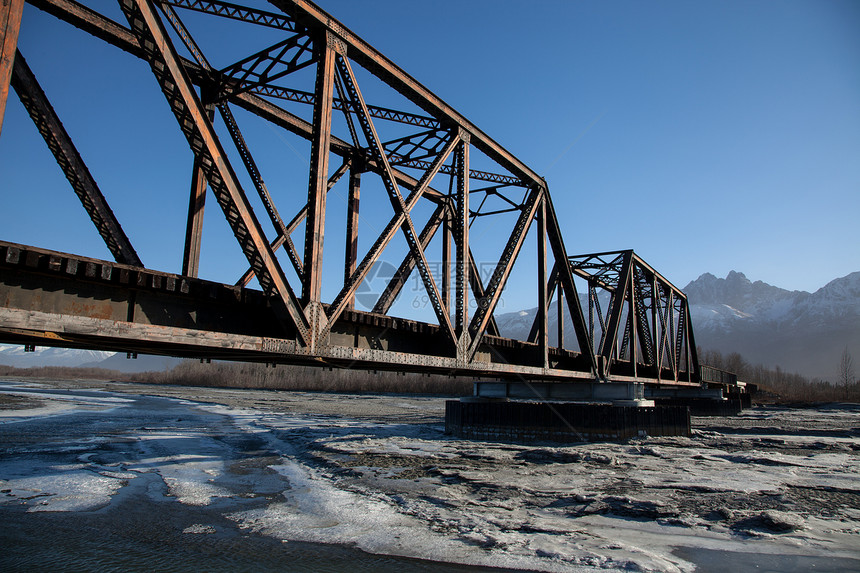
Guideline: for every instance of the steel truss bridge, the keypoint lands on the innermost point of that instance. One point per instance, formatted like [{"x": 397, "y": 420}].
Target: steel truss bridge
[{"x": 629, "y": 323}]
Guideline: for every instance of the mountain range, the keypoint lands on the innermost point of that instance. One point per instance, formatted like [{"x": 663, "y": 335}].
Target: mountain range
[
  {"x": 796, "y": 330},
  {"x": 14, "y": 355}
]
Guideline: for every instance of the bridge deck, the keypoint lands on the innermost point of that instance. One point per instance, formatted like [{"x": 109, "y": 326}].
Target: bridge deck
[{"x": 58, "y": 299}]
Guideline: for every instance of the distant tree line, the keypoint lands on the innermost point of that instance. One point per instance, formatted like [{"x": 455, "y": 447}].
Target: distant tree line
[
  {"x": 66, "y": 373},
  {"x": 775, "y": 384},
  {"x": 306, "y": 378},
  {"x": 262, "y": 376},
  {"x": 779, "y": 385}
]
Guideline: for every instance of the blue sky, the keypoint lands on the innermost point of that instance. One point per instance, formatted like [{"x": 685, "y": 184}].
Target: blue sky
[{"x": 707, "y": 136}]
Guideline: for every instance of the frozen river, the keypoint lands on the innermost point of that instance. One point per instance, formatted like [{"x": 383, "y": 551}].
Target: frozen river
[{"x": 102, "y": 476}]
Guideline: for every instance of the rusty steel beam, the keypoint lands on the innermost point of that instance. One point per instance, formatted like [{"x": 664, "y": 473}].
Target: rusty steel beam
[
  {"x": 340, "y": 104},
  {"x": 236, "y": 12},
  {"x": 318, "y": 179},
  {"x": 461, "y": 246},
  {"x": 372, "y": 60},
  {"x": 284, "y": 238},
  {"x": 340, "y": 302},
  {"x": 197, "y": 198},
  {"x": 396, "y": 199},
  {"x": 352, "y": 220},
  {"x": 10, "y": 26},
  {"x": 543, "y": 292},
  {"x": 560, "y": 313},
  {"x": 487, "y": 305},
  {"x": 559, "y": 252},
  {"x": 51, "y": 128},
  {"x": 190, "y": 113},
  {"x": 398, "y": 281},
  {"x": 194, "y": 225},
  {"x": 447, "y": 223},
  {"x": 325, "y": 51}
]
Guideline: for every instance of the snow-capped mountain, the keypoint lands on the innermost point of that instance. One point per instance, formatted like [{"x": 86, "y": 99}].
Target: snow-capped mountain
[
  {"x": 795, "y": 330},
  {"x": 14, "y": 355}
]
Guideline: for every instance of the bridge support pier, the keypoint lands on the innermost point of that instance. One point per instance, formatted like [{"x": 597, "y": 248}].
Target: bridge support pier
[
  {"x": 704, "y": 401},
  {"x": 528, "y": 411},
  {"x": 499, "y": 419},
  {"x": 681, "y": 393},
  {"x": 617, "y": 393}
]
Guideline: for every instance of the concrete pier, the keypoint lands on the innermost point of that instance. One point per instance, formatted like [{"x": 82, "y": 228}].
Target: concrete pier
[
  {"x": 704, "y": 401},
  {"x": 617, "y": 393},
  {"x": 564, "y": 422}
]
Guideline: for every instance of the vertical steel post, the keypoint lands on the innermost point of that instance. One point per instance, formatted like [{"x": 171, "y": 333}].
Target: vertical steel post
[
  {"x": 560, "y": 302},
  {"x": 461, "y": 244},
  {"x": 194, "y": 225},
  {"x": 320, "y": 143},
  {"x": 10, "y": 25},
  {"x": 447, "y": 225},
  {"x": 632, "y": 304},
  {"x": 196, "y": 205},
  {"x": 351, "y": 255},
  {"x": 693, "y": 362},
  {"x": 654, "y": 334},
  {"x": 543, "y": 338}
]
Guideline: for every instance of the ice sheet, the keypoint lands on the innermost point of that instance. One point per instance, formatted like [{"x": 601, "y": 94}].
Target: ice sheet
[{"x": 407, "y": 489}]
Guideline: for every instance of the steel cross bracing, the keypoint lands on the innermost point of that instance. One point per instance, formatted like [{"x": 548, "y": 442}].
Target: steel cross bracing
[
  {"x": 643, "y": 324},
  {"x": 423, "y": 152}
]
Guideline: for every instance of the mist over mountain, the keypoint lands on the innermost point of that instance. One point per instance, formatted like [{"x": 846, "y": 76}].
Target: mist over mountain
[{"x": 796, "y": 330}]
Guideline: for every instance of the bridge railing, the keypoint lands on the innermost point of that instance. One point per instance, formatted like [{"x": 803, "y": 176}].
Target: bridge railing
[{"x": 717, "y": 376}]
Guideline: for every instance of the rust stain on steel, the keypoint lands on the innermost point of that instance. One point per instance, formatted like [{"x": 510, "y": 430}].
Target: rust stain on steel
[{"x": 10, "y": 25}]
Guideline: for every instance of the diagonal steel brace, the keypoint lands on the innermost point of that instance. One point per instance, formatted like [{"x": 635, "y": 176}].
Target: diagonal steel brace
[{"x": 198, "y": 130}]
